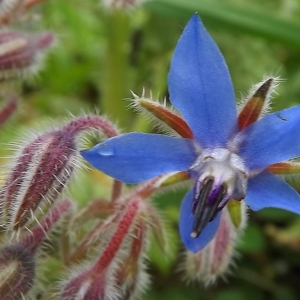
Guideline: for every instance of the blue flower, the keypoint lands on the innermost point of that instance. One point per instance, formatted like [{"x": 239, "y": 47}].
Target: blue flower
[{"x": 226, "y": 160}]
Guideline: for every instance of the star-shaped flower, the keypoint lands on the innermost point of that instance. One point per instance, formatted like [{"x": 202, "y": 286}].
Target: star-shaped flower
[{"x": 229, "y": 156}]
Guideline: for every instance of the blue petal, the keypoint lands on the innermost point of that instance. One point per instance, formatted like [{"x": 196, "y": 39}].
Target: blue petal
[
  {"x": 274, "y": 138},
  {"x": 186, "y": 226},
  {"x": 268, "y": 190},
  {"x": 200, "y": 86},
  {"x": 136, "y": 157}
]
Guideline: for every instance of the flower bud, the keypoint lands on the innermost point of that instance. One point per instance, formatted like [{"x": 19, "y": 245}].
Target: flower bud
[
  {"x": 21, "y": 53},
  {"x": 42, "y": 170},
  {"x": 17, "y": 261},
  {"x": 214, "y": 260},
  {"x": 97, "y": 282},
  {"x": 17, "y": 271}
]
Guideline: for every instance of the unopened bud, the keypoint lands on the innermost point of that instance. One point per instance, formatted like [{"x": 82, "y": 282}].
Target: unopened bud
[
  {"x": 17, "y": 261},
  {"x": 21, "y": 53},
  {"x": 42, "y": 170},
  {"x": 87, "y": 287},
  {"x": 97, "y": 282},
  {"x": 17, "y": 271},
  {"x": 39, "y": 232},
  {"x": 215, "y": 259}
]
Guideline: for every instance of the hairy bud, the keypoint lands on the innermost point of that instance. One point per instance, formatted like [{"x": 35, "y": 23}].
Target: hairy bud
[
  {"x": 42, "y": 170},
  {"x": 21, "y": 53},
  {"x": 215, "y": 259},
  {"x": 17, "y": 261},
  {"x": 17, "y": 271},
  {"x": 97, "y": 282}
]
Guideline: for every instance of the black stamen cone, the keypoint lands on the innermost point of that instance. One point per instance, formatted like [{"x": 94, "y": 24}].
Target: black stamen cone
[{"x": 205, "y": 213}]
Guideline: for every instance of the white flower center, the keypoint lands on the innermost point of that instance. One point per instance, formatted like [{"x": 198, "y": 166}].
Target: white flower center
[
  {"x": 219, "y": 176},
  {"x": 225, "y": 168}
]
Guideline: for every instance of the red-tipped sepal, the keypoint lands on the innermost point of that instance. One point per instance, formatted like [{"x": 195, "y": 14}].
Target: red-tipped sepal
[
  {"x": 256, "y": 103},
  {"x": 164, "y": 115}
]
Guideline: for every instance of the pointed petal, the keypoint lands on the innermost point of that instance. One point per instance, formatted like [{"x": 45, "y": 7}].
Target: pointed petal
[
  {"x": 186, "y": 226},
  {"x": 200, "y": 86},
  {"x": 136, "y": 157},
  {"x": 273, "y": 139},
  {"x": 268, "y": 190}
]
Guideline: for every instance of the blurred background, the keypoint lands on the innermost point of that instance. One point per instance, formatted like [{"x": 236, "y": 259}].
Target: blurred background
[{"x": 102, "y": 54}]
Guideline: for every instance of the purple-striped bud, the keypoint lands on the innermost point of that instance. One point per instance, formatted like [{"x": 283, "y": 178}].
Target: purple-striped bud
[
  {"x": 17, "y": 272},
  {"x": 121, "y": 263},
  {"x": 17, "y": 261},
  {"x": 21, "y": 53},
  {"x": 98, "y": 281},
  {"x": 43, "y": 169},
  {"x": 215, "y": 259}
]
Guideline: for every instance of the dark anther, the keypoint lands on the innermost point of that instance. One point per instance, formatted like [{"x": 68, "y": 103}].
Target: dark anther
[{"x": 206, "y": 212}]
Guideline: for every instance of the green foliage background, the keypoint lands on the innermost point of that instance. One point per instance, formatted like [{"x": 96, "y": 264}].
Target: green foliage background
[{"x": 101, "y": 55}]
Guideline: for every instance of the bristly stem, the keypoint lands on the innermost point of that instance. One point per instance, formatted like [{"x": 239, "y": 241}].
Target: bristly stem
[{"x": 116, "y": 190}]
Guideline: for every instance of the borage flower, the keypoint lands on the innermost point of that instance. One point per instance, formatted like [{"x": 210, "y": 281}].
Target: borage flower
[{"x": 228, "y": 156}]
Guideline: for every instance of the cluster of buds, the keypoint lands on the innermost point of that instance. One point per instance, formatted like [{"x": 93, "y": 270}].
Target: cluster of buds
[
  {"x": 21, "y": 53},
  {"x": 119, "y": 272},
  {"x": 40, "y": 171},
  {"x": 112, "y": 252},
  {"x": 109, "y": 260}
]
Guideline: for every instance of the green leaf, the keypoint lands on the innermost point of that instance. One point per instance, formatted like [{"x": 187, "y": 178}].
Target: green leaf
[
  {"x": 245, "y": 18},
  {"x": 253, "y": 240}
]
